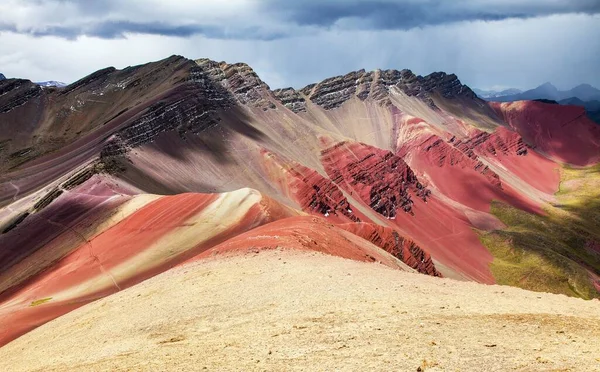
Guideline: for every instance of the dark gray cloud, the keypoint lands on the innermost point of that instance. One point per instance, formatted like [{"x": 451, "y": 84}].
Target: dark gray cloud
[
  {"x": 120, "y": 29},
  {"x": 407, "y": 14},
  {"x": 265, "y": 19},
  {"x": 296, "y": 42}
]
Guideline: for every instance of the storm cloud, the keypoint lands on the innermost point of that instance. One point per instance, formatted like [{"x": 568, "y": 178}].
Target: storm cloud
[
  {"x": 487, "y": 43},
  {"x": 407, "y": 14},
  {"x": 261, "y": 19}
]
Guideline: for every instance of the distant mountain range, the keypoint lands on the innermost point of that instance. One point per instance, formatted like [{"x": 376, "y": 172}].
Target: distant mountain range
[
  {"x": 582, "y": 95},
  {"x": 487, "y": 94},
  {"x": 593, "y": 105},
  {"x": 51, "y": 83},
  {"x": 584, "y": 92}
]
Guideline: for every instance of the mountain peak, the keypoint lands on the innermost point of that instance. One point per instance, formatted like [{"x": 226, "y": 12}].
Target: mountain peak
[
  {"x": 584, "y": 85},
  {"x": 548, "y": 86},
  {"x": 2, "y": 77}
]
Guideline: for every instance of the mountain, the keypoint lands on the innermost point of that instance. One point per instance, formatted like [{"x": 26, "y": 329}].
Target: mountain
[
  {"x": 593, "y": 105},
  {"x": 126, "y": 175},
  {"x": 592, "y": 108},
  {"x": 487, "y": 94},
  {"x": 2, "y": 77},
  {"x": 582, "y": 95},
  {"x": 584, "y": 92},
  {"x": 51, "y": 83}
]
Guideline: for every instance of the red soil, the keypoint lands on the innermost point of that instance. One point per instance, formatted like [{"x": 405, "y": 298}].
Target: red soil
[
  {"x": 436, "y": 227},
  {"x": 508, "y": 149},
  {"x": 564, "y": 133},
  {"x": 19, "y": 322},
  {"x": 380, "y": 178},
  {"x": 398, "y": 246},
  {"x": 461, "y": 176},
  {"x": 302, "y": 233},
  {"x": 118, "y": 244},
  {"x": 57, "y": 227},
  {"x": 314, "y": 193}
]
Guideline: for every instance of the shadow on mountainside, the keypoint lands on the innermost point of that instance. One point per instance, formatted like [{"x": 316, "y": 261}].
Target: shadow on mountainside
[{"x": 65, "y": 220}]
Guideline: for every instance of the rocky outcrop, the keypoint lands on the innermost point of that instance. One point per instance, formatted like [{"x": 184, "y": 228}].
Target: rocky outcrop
[
  {"x": 241, "y": 80},
  {"x": 457, "y": 154},
  {"x": 2, "y": 77},
  {"x": 447, "y": 85},
  {"x": 314, "y": 193},
  {"x": 333, "y": 92},
  {"x": 17, "y": 92},
  {"x": 291, "y": 99},
  {"x": 501, "y": 141},
  {"x": 381, "y": 179},
  {"x": 398, "y": 246},
  {"x": 190, "y": 107}
]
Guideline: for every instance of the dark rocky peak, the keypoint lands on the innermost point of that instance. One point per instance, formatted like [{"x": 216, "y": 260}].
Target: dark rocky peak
[
  {"x": 385, "y": 79},
  {"x": 17, "y": 92},
  {"x": 2, "y": 77},
  {"x": 241, "y": 80},
  {"x": 291, "y": 99},
  {"x": 190, "y": 104},
  {"x": 333, "y": 92},
  {"x": 447, "y": 85}
]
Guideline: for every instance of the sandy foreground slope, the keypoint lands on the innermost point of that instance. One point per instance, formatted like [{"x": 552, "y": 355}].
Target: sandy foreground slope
[{"x": 288, "y": 310}]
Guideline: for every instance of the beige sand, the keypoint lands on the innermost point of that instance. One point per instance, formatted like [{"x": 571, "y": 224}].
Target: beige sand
[{"x": 307, "y": 311}]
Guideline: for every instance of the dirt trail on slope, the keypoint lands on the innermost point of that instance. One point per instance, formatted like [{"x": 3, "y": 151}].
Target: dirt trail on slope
[{"x": 282, "y": 310}]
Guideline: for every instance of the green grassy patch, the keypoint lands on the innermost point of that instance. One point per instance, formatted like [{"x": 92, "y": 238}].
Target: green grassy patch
[
  {"x": 40, "y": 301},
  {"x": 549, "y": 253}
]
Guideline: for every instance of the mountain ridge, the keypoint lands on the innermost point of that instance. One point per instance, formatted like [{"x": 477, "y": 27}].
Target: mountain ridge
[
  {"x": 584, "y": 92},
  {"x": 494, "y": 93},
  {"x": 413, "y": 165}
]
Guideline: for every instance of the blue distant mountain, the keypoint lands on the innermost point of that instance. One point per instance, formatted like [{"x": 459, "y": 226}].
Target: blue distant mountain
[
  {"x": 582, "y": 95},
  {"x": 584, "y": 92},
  {"x": 488, "y": 94},
  {"x": 2, "y": 77}
]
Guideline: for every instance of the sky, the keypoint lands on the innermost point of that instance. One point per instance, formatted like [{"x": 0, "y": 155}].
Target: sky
[{"x": 489, "y": 44}]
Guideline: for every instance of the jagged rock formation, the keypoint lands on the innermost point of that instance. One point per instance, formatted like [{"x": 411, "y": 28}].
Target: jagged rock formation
[
  {"x": 191, "y": 107},
  {"x": 291, "y": 99},
  {"x": 382, "y": 179},
  {"x": 240, "y": 80},
  {"x": 333, "y": 92},
  {"x": 395, "y": 244},
  {"x": 459, "y": 154},
  {"x": 314, "y": 193}
]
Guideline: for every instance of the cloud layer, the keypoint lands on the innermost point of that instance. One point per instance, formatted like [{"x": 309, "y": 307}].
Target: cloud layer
[
  {"x": 491, "y": 43},
  {"x": 260, "y": 19}
]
